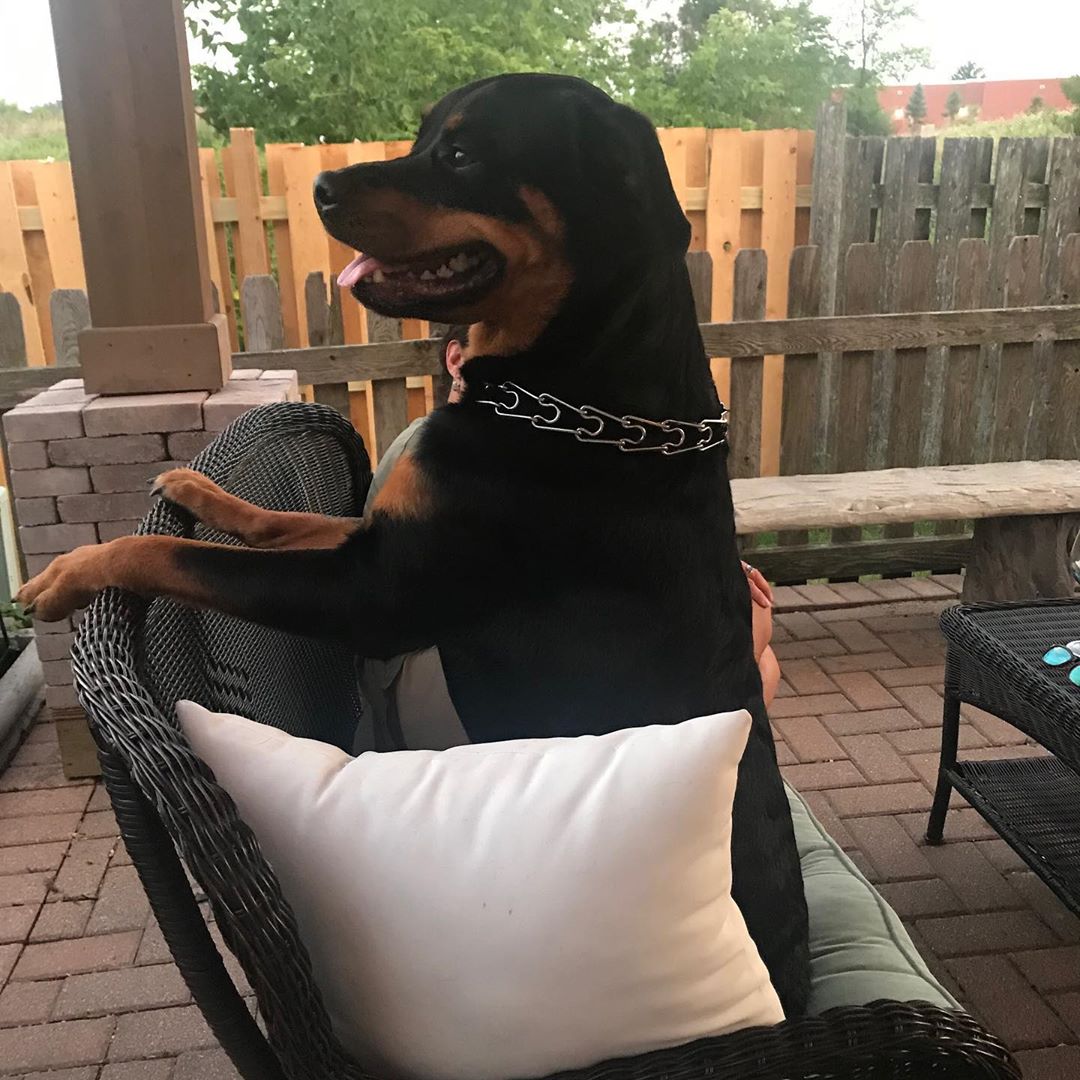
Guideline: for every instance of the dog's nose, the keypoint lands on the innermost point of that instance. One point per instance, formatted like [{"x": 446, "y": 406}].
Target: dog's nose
[{"x": 326, "y": 194}]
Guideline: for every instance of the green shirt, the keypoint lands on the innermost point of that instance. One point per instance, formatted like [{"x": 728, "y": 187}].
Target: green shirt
[{"x": 407, "y": 702}]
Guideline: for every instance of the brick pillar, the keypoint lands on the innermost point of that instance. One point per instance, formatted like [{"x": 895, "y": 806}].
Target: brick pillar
[{"x": 80, "y": 469}]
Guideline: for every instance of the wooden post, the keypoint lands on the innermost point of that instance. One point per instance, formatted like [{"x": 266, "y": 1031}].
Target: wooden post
[{"x": 129, "y": 113}]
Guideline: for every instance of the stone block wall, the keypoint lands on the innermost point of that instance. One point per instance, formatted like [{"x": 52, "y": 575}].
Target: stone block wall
[{"x": 80, "y": 468}]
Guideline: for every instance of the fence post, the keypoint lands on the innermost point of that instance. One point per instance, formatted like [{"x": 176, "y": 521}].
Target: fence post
[{"x": 12, "y": 338}]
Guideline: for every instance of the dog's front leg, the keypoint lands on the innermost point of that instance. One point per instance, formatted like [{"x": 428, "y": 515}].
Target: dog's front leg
[
  {"x": 303, "y": 591},
  {"x": 258, "y": 528}
]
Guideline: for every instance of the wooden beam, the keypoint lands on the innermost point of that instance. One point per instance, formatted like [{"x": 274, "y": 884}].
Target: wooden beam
[
  {"x": 354, "y": 363},
  {"x": 129, "y": 114},
  {"x": 886, "y": 496},
  {"x": 795, "y": 564},
  {"x": 849, "y": 333}
]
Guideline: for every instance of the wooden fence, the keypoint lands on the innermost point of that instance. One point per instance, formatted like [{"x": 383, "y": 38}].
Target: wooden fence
[
  {"x": 742, "y": 191},
  {"x": 886, "y": 384}
]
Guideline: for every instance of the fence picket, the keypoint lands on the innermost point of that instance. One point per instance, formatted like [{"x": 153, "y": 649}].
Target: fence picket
[
  {"x": 904, "y": 167},
  {"x": 751, "y": 271},
  {"x": 217, "y": 242},
  {"x": 352, "y": 314},
  {"x": 723, "y": 215},
  {"x": 286, "y": 271},
  {"x": 863, "y": 161},
  {"x": 14, "y": 271},
  {"x": 862, "y": 276},
  {"x": 699, "y": 267},
  {"x": 12, "y": 334},
  {"x": 1013, "y": 404},
  {"x": 261, "y": 305},
  {"x": 804, "y": 392},
  {"x": 913, "y": 292},
  {"x": 1064, "y": 434},
  {"x": 40, "y": 280},
  {"x": 317, "y": 309},
  {"x": 388, "y": 408},
  {"x": 243, "y": 181},
  {"x": 962, "y": 165},
  {"x": 70, "y": 316},
  {"x": 1062, "y": 209},
  {"x": 310, "y": 248},
  {"x": 60, "y": 223},
  {"x": 966, "y": 388}
]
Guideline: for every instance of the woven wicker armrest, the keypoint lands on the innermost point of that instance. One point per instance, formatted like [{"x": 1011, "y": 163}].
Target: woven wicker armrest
[{"x": 134, "y": 660}]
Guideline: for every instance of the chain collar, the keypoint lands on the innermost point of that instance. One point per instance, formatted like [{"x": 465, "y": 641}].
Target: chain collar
[{"x": 588, "y": 424}]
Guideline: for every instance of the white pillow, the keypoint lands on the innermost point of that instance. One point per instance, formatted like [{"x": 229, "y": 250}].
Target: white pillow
[{"x": 507, "y": 909}]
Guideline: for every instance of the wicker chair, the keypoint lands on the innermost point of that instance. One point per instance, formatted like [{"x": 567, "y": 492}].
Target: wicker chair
[{"x": 133, "y": 660}]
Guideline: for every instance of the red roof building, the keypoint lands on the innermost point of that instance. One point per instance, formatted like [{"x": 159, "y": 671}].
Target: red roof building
[{"x": 987, "y": 99}]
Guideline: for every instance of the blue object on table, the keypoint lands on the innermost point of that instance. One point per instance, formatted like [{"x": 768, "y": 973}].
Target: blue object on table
[{"x": 1058, "y": 655}]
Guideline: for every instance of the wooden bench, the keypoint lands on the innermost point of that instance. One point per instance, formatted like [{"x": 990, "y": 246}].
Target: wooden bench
[{"x": 1025, "y": 513}]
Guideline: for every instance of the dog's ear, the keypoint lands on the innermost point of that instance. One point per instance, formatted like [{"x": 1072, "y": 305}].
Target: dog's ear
[{"x": 628, "y": 137}]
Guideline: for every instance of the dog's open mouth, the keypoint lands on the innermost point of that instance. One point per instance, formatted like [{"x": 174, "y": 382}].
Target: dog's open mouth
[{"x": 448, "y": 276}]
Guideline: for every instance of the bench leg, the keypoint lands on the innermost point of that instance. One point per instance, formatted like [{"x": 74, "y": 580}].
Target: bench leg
[
  {"x": 1020, "y": 558},
  {"x": 950, "y": 738}
]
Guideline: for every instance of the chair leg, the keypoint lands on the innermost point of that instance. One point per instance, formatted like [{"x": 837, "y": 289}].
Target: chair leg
[{"x": 950, "y": 737}]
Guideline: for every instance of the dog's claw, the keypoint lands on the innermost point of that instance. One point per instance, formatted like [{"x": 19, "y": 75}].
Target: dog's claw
[{"x": 156, "y": 490}]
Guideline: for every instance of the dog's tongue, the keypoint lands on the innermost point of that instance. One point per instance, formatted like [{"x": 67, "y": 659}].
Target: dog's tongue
[{"x": 360, "y": 267}]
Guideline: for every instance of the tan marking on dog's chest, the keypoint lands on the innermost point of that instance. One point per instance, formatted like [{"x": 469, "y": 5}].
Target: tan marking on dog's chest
[{"x": 406, "y": 492}]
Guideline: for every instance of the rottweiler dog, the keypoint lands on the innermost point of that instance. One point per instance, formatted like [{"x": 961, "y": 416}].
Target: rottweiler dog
[{"x": 565, "y": 535}]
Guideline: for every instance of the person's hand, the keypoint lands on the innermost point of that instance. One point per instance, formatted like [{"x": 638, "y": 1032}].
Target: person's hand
[{"x": 760, "y": 590}]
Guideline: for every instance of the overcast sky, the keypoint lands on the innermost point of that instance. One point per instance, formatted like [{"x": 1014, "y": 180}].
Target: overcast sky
[{"x": 1010, "y": 39}]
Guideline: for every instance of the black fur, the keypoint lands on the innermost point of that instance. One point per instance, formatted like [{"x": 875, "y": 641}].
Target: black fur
[{"x": 570, "y": 588}]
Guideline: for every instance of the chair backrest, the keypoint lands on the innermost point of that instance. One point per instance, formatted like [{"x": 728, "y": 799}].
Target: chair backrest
[
  {"x": 303, "y": 685},
  {"x": 133, "y": 660}
]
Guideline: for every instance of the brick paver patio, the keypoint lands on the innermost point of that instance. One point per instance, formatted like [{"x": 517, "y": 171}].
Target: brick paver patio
[{"x": 87, "y": 989}]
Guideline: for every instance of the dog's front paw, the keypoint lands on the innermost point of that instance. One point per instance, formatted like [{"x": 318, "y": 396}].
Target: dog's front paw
[
  {"x": 188, "y": 489},
  {"x": 68, "y": 583}
]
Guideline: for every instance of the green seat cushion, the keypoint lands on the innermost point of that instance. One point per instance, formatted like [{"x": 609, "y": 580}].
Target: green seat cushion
[{"x": 859, "y": 949}]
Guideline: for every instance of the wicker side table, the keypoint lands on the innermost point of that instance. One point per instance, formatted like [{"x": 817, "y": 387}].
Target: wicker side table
[{"x": 995, "y": 662}]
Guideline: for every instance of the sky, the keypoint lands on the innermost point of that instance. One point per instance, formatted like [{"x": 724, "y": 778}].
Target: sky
[{"x": 1044, "y": 44}]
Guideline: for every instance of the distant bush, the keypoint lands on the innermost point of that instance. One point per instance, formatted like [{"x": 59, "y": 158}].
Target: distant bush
[
  {"x": 32, "y": 134},
  {"x": 38, "y": 134},
  {"x": 1039, "y": 122}
]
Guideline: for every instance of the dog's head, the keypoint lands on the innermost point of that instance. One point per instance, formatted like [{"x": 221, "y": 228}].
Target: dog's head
[{"x": 518, "y": 189}]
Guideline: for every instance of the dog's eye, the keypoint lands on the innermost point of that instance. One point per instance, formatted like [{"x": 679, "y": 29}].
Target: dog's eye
[{"x": 459, "y": 158}]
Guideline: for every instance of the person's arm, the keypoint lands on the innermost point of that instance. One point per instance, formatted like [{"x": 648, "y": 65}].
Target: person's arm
[{"x": 761, "y": 615}]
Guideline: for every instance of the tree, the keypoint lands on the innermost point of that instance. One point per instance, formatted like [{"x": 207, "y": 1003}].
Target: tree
[
  {"x": 953, "y": 105},
  {"x": 365, "y": 69},
  {"x": 968, "y": 70},
  {"x": 865, "y": 116},
  {"x": 880, "y": 25},
  {"x": 744, "y": 63},
  {"x": 1071, "y": 89},
  {"x": 916, "y": 108},
  {"x": 876, "y": 55},
  {"x": 1037, "y": 105}
]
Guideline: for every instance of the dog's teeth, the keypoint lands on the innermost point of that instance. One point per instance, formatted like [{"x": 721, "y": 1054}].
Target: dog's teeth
[
  {"x": 444, "y": 271},
  {"x": 472, "y": 260},
  {"x": 459, "y": 262},
  {"x": 378, "y": 277},
  {"x": 427, "y": 275}
]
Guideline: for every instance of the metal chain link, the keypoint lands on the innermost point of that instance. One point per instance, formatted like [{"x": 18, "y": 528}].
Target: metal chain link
[{"x": 588, "y": 424}]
